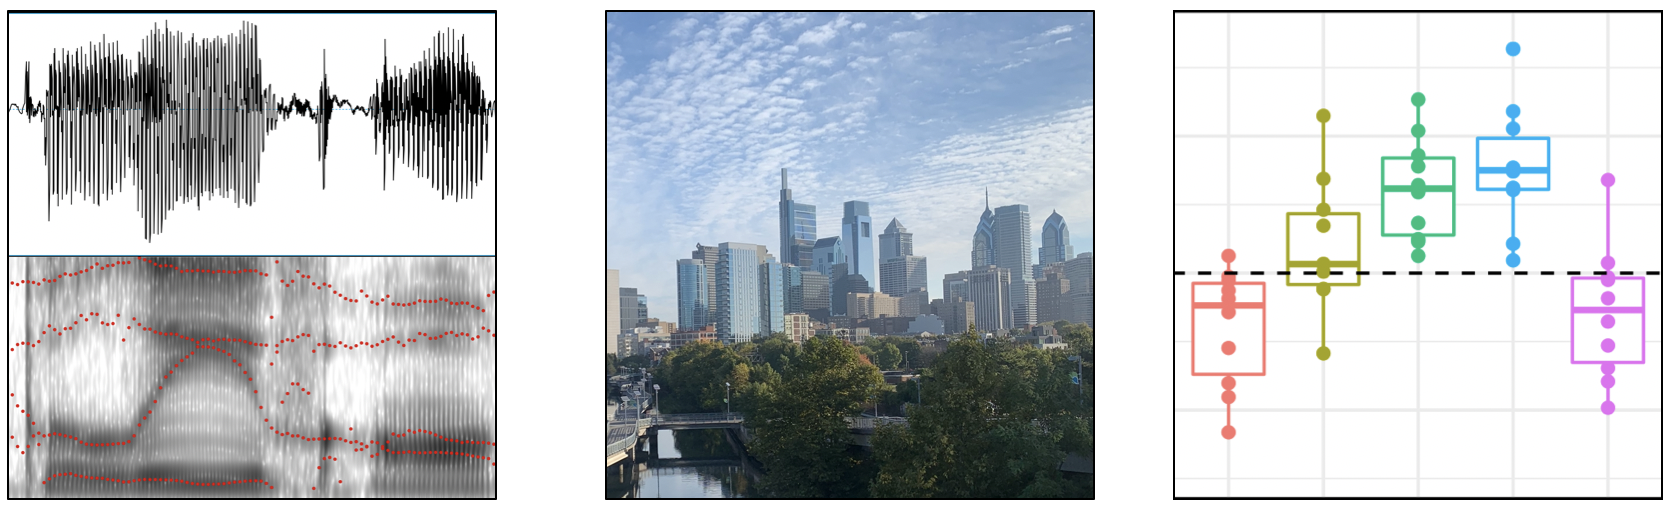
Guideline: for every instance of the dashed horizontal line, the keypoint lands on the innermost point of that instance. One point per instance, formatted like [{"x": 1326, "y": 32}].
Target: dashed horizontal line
[{"x": 1360, "y": 273}]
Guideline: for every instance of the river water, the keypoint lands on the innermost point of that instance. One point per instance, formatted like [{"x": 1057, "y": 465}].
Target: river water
[{"x": 689, "y": 464}]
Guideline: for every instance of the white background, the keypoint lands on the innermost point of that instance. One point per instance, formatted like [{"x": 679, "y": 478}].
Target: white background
[
  {"x": 290, "y": 207},
  {"x": 1438, "y": 385},
  {"x": 1134, "y": 76}
]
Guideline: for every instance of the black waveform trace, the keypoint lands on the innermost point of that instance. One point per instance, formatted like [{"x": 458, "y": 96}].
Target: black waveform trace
[{"x": 190, "y": 118}]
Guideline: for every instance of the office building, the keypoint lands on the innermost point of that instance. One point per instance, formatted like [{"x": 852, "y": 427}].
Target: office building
[
  {"x": 1013, "y": 251},
  {"x": 739, "y": 312},
  {"x": 992, "y": 287},
  {"x": 1052, "y": 287},
  {"x": 814, "y": 286},
  {"x": 614, "y": 319},
  {"x": 1078, "y": 305},
  {"x": 1057, "y": 242},
  {"x": 984, "y": 237},
  {"x": 629, "y": 309},
  {"x": 956, "y": 314},
  {"x": 955, "y": 287},
  {"x": 691, "y": 294},
  {"x": 901, "y": 274},
  {"x": 870, "y": 305},
  {"x": 828, "y": 251},
  {"x": 914, "y": 303},
  {"x": 798, "y": 229},
  {"x": 896, "y": 241},
  {"x": 856, "y": 234},
  {"x": 845, "y": 283}
]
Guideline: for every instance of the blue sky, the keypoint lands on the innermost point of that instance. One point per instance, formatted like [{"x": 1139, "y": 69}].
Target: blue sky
[{"x": 915, "y": 113}]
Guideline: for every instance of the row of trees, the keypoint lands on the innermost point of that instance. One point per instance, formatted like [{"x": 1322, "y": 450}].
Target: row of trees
[{"x": 996, "y": 419}]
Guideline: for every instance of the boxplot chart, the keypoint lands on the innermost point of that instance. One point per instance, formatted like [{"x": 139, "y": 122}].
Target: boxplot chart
[{"x": 1461, "y": 368}]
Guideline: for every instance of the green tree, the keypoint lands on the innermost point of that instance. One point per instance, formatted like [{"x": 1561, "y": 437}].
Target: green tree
[
  {"x": 997, "y": 421},
  {"x": 693, "y": 377},
  {"x": 799, "y": 426},
  {"x": 611, "y": 364}
]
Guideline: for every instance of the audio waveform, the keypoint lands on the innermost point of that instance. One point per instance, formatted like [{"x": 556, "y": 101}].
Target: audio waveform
[{"x": 187, "y": 118}]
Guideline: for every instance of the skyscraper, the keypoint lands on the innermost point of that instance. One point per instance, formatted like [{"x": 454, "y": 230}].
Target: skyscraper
[
  {"x": 629, "y": 312},
  {"x": 856, "y": 234},
  {"x": 773, "y": 289},
  {"x": 843, "y": 284},
  {"x": 955, "y": 287},
  {"x": 614, "y": 323},
  {"x": 708, "y": 255},
  {"x": 984, "y": 237},
  {"x": 792, "y": 282},
  {"x": 1052, "y": 287},
  {"x": 1013, "y": 251},
  {"x": 991, "y": 287},
  {"x": 640, "y": 309},
  {"x": 816, "y": 296},
  {"x": 901, "y": 274},
  {"x": 1057, "y": 243},
  {"x": 739, "y": 291},
  {"x": 1078, "y": 305},
  {"x": 828, "y": 251},
  {"x": 896, "y": 241},
  {"x": 798, "y": 228},
  {"x": 692, "y": 294}
]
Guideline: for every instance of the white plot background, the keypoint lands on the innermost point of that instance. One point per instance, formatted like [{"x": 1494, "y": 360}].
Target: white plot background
[{"x": 1453, "y": 385}]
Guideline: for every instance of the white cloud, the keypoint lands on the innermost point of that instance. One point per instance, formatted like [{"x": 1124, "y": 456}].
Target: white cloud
[
  {"x": 821, "y": 34},
  {"x": 1014, "y": 65},
  {"x": 923, "y": 15},
  {"x": 1058, "y": 30},
  {"x": 683, "y": 27},
  {"x": 859, "y": 26},
  {"x": 1062, "y": 40}
]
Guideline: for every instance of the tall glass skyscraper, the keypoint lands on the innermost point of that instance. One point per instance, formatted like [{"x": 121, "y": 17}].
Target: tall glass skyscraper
[
  {"x": 984, "y": 237},
  {"x": 798, "y": 228},
  {"x": 739, "y": 309},
  {"x": 708, "y": 255},
  {"x": 896, "y": 241},
  {"x": 774, "y": 294},
  {"x": 691, "y": 294},
  {"x": 1013, "y": 251},
  {"x": 1057, "y": 243},
  {"x": 856, "y": 233}
]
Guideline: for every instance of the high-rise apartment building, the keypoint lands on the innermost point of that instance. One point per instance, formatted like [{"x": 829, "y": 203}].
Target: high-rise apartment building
[
  {"x": 773, "y": 289},
  {"x": 815, "y": 289},
  {"x": 991, "y": 287},
  {"x": 798, "y": 229},
  {"x": 691, "y": 294},
  {"x": 957, "y": 314},
  {"x": 739, "y": 312},
  {"x": 1013, "y": 251},
  {"x": 708, "y": 255},
  {"x": 856, "y": 234}
]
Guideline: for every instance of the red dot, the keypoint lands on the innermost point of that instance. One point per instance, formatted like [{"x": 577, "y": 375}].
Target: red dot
[{"x": 1229, "y": 347}]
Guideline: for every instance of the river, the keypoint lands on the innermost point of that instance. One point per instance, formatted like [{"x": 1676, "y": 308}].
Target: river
[{"x": 689, "y": 464}]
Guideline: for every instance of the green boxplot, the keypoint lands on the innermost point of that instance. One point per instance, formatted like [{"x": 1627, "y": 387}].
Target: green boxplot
[{"x": 1419, "y": 189}]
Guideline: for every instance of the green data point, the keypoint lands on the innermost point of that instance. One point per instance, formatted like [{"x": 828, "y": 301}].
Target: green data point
[
  {"x": 1322, "y": 178},
  {"x": 1418, "y": 130},
  {"x": 1418, "y": 222},
  {"x": 1323, "y": 225},
  {"x": 1322, "y": 351},
  {"x": 1323, "y": 289},
  {"x": 1322, "y": 209},
  {"x": 1322, "y": 115},
  {"x": 1418, "y": 240},
  {"x": 1417, "y": 99},
  {"x": 1418, "y": 165}
]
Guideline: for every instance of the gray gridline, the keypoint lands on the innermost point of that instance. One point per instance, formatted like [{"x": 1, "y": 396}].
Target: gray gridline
[{"x": 1229, "y": 136}]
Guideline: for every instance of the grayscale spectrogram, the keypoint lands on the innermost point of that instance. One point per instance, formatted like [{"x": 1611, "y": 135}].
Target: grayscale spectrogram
[{"x": 275, "y": 377}]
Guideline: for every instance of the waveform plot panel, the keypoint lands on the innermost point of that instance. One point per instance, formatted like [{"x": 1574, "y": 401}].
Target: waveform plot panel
[
  {"x": 251, "y": 377},
  {"x": 172, "y": 133}
]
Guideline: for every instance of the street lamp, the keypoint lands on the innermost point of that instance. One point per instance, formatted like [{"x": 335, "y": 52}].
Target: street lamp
[
  {"x": 726, "y": 408},
  {"x": 655, "y": 396}
]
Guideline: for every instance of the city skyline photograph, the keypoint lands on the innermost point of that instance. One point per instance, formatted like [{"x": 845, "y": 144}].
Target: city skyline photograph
[
  {"x": 917, "y": 114},
  {"x": 850, "y": 255}
]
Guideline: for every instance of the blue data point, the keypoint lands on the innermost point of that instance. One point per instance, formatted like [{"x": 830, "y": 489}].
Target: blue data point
[
  {"x": 1514, "y": 243},
  {"x": 1513, "y": 260},
  {"x": 1514, "y": 189},
  {"x": 1514, "y": 111},
  {"x": 1513, "y": 48},
  {"x": 1514, "y": 129}
]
